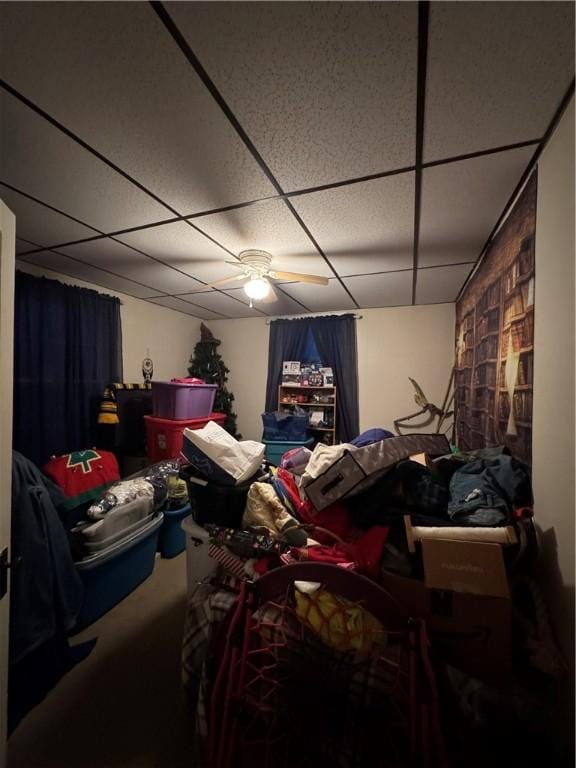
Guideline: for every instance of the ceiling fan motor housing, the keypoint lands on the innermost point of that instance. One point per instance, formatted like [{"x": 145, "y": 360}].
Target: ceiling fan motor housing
[{"x": 257, "y": 263}]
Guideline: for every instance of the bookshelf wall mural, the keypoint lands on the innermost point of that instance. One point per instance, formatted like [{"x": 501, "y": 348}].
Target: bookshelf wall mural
[{"x": 495, "y": 339}]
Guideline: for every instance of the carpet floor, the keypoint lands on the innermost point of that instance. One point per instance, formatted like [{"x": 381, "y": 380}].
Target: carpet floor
[{"x": 123, "y": 706}]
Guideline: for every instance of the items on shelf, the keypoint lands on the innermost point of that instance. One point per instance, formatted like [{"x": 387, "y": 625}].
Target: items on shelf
[
  {"x": 317, "y": 403},
  {"x": 310, "y": 387},
  {"x": 306, "y": 374}
]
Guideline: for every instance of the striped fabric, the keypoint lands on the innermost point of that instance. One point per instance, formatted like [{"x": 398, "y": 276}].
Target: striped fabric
[
  {"x": 227, "y": 560},
  {"x": 108, "y": 413}
]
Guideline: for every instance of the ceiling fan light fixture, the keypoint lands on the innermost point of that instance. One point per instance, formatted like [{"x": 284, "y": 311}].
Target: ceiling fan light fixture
[{"x": 257, "y": 288}]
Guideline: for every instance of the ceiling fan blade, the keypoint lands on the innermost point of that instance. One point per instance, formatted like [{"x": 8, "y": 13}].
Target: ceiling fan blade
[
  {"x": 301, "y": 278},
  {"x": 226, "y": 280},
  {"x": 271, "y": 296}
]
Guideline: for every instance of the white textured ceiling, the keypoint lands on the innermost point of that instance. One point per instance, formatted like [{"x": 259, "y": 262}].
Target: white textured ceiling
[
  {"x": 325, "y": 90},
  {"x": 496, "y": 72},
  {"x": 141, "y": 153}
]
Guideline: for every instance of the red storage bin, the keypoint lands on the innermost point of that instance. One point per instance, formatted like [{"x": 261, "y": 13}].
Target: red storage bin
[
  {"x": 164, "y": 437},
  {"x": 172, "y": 400}
]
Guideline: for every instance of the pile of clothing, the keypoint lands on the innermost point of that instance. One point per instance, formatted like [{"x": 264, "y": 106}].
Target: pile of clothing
[{"x": 345, "y": 504}]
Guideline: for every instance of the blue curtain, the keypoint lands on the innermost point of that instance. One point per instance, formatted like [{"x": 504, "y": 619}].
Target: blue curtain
[
  {"x": 67, "y": 348},
  {"x": 335, "y": 339},
  {"x": 288, "y": 340}
]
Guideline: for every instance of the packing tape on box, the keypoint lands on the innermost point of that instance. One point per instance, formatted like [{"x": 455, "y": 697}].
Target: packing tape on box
[{"x": 505, "y": 535}]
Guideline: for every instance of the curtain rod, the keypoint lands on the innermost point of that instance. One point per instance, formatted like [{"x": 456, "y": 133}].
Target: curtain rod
[{"x": 302, "y": 317}]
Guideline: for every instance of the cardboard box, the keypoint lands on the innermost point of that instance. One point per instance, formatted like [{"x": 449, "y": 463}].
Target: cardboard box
[
  {"x": 465, "y": 602},
  {"x": 472, "y": 567}
]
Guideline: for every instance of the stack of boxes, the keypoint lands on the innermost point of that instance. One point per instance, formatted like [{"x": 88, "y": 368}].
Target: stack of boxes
[{"x": 175, "y": 407}]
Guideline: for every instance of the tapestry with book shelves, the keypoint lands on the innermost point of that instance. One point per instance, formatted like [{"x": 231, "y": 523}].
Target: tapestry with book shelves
[
  {"x": 494, "y": 339},
  {"x": 465, "y": 333},
  {"x": 516, "y": 362}
]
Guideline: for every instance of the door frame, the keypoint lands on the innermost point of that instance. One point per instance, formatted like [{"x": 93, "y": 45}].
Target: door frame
[{"x": 7, "y": 278}]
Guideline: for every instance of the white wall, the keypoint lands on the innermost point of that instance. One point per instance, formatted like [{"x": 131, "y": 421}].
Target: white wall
[
  {"x": 553, "y": 415},
  {"x": 398, "y": 342},
  {"x": 393, "y": 343},
  {"x": 167, "y": 336}
]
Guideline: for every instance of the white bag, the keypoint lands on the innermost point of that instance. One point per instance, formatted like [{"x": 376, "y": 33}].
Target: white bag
[{"x": 240, "y": 460}]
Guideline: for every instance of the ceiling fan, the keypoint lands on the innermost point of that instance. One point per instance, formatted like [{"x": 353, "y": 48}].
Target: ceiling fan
[{"x": 256, "y": 266}]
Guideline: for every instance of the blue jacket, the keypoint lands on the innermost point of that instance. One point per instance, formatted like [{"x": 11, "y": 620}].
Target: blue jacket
[
  {"x": 484, "y": 491},
  {"x": 46, "y": 592}
]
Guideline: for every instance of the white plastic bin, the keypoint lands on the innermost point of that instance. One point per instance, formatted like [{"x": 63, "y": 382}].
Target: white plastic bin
[{"x": 199, "y": 565}]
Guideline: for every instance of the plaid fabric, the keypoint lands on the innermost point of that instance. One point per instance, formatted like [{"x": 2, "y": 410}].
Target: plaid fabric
[
  {"x": 206, "y": 609},
  {"x": 343, "y": 700}
]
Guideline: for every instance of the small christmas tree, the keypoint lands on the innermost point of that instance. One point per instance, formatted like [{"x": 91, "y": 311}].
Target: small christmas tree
[{"x": 207, "y": 364}]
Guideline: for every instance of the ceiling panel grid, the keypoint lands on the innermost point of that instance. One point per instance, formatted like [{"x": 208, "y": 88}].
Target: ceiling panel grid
[
  {"x": 496, "y": 73},
  {"x": 326, "y": 91},
  {"x": 151, "y": 118},
  {"x": 230, "y": 105}
]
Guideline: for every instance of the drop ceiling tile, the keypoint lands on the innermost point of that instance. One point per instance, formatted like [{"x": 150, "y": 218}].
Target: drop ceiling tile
[
  {"x": 267, "y": 226},
  {"x": 283, "y": 306},
  {"x": 42, "y": 161},
  {"x": 326, "y": 91},
  {"x": 23, "y": 246},
  {"x": 440, "y": 284},
  {"x": 72, "y": 268},
  {"x": 363, "y": 228},
  {"x": 112, "y": 74},
  {"x": 391, "y": 289},
  {"x": 220, "y": 302},
  {"x": 320, "y": 298},
  {"x": 125, "y": 261},
  {"x": 39, "y": 224},
  {"x": 498, "y": 70},
  {"x": 184, "y": 247},
  {"x": 462, "y": 201},
  {"x": 173, "y": 302}
]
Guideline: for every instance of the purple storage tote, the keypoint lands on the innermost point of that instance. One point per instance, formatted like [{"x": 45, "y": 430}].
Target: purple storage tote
[{"x": 182, "y": 401}]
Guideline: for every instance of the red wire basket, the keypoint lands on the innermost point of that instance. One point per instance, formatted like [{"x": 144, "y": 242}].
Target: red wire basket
[{"x": 338, "y": 680}]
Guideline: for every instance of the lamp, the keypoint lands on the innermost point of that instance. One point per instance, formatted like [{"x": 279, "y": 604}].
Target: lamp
[{"x": 257, "y": 288}]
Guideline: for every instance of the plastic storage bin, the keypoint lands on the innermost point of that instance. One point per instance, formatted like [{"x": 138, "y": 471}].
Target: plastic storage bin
[
  {"x": 285, "y": 426},
  {"x": 182, "y": 401},
  {"x": 275, "y": 449},
  {"x": 165, "y": 436},
  {"x": 218, "y": 504},
  {"x": 98, "y": 544},
  {"x": 172, "y": 539},
  {"x": 115, "y": 524},
  {"x": 109, "y": 576}
]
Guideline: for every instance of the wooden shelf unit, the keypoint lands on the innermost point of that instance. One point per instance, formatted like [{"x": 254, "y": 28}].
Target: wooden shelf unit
[{"x": 287, "y": 400}]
